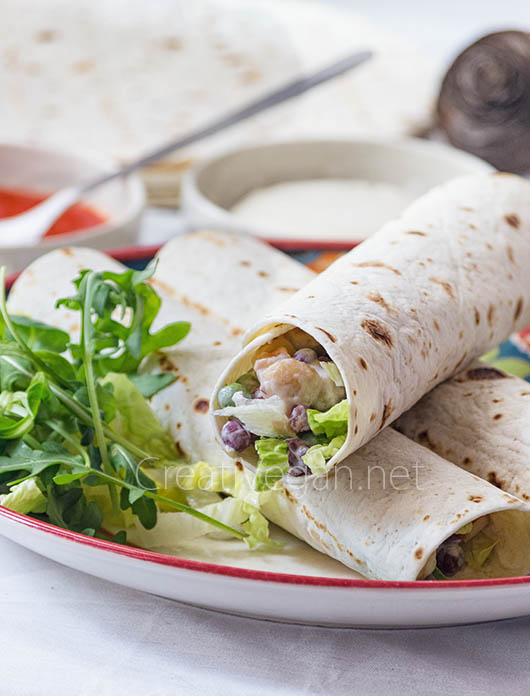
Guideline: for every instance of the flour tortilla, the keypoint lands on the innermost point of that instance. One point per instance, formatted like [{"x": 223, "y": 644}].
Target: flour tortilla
[
  {"x": 120, "y": 77},
  {"x": 419, "y": 300},
  {"x": 384, "y": 510},
  {"x": 478, "y": 420}
]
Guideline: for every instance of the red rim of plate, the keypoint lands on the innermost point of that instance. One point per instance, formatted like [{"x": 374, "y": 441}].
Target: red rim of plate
[{"x": 136, "y": 253}]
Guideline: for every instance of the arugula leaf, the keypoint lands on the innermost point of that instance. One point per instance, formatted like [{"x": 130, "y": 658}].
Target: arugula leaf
[
  {"x": 37, "y": 335},
  {"x": 121, "y": 309},
  {"x": 149, "y": 385},
  {"x": 70, "y": 438}
]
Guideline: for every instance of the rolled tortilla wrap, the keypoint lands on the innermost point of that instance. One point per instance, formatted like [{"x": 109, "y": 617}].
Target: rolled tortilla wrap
[
  {"x": 409, "y": 307},
  {"x": 409, "y": 501},
  {"x": 386, "y": 509},
  {"x": 478, "y": 420}
]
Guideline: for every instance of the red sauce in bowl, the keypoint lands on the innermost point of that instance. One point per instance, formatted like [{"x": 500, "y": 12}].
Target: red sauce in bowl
[{"x": 79, "y": 217}]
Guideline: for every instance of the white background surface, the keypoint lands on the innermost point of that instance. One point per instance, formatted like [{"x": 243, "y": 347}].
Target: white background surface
[{"x": 62, "y": 632}]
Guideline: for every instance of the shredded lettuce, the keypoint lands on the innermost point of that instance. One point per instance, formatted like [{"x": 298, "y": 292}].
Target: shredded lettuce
[
  {"x": 466, "y": 529},
  {"x": 331, "y": 423},
  {"x": 479, "y": 549},
  {"x": 136, "y": 421},
  {"x": 317, "y": 456},
  {"x": 25, "y": 497},
  {"x": 273, "y": 462},
  {"x": 263, "y": 417},
  {"x": 204, "y": 485},
  {"x": 333, "y": 373}
]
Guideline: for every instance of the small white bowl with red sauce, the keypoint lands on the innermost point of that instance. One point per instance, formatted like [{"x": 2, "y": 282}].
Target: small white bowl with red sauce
[{"x": 108, "y": 217}]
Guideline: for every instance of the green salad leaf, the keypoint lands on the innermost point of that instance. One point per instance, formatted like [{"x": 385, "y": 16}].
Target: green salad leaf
[
  {"x": 273, "y": 462},
  {"x": 479, "y": 549},
  {"x": 76, "y": 434},
  {"x": 330, "y": 423},
  {"x": 317, "y": 456},
  {"x": 136, "y": 422},
  {"x": 25, "y": 497}
]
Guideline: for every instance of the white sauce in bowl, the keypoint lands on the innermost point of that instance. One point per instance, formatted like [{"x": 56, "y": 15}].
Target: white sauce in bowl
[{"x": 324, "y": 209}]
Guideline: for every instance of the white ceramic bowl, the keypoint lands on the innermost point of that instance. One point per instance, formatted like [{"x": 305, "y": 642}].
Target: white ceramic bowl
[
  {"x": 40, "y": 169},
  {"x": 211, "y": 188}
]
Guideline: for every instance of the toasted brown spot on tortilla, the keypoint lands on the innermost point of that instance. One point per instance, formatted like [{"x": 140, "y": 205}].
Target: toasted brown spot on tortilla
[
  {"x": 179, "y": 426},
  {"x": 497, "y": 401},
  {"x": 466, "y": 461},
  {"x": 327, "y": 333},
  {"x": 354, "y": 282},
  {"x": 492, "y": 478},
  {"x": 387, "y": 411},
  {"x": 525, "y": 393},
  {"x": 216, "y": 343},
  {"x": 518, "y": 309},
  {"x": 436, "y": 325},
  {"x": 286, "y": 289},
  {"x": 373, "y": 416},
  {"x": 363, "y": 363},
  {"x": 263, "y": 274},
  {"x": 323, "y": 528},
  {"x": 67, "y": 251},
  {"x": 509, "y": 251},
  {"x": 238, "y": 465},
  {"x": 467, "y": 210},
  {"x": 513, "y": 220},
  {"x": 377, "y": 264},
  {"x": 498, "y": 416},
  {"x": 423, "y": 354},
  {"x": 46, "y": 35},
  {"x": 245, "y": 263},
  {"x": 427, "y": 517},
  {"x": 380, "y": 300},
  {"x": 477, "y": 317},
  {"x": 377, "y": 331},
  {"x": 166, "y": 365},
  {"x": 290, "y": 497},
  {"x": 475, "y": 498},
  {"x": 491, "y": 314},
  {"x": 445, "y": 285},
  {"x": 201, "y": 405},
  {"x": 310, "y": 297},
  {"x": 237, "y": 332},
  {"x": 424, "y": 439},
  {"x": 460, "y": 362},
  {"x": 418, "y": 553},
  {"x": 489, "y": 246},
  {"x": 460, "y": 335},
  {"x": 356, "y": 430},
  {"x": 291, "y": 316},
  {"x": 413, "y": 310},
  {"x": 420, "y": 234},
  {"x": 479, "y": 373}
]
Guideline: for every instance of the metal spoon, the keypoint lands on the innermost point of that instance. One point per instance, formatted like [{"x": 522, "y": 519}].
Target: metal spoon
[{"x": 28, "y": 228}]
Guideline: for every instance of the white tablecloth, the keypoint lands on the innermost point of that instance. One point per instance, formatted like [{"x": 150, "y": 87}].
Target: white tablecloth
[{"x": 65, "y": 633}]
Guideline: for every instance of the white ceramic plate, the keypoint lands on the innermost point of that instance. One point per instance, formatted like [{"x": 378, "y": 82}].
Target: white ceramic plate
[
  {"x": 336, "y": 599},
  {"x": 295, "y": 584}
]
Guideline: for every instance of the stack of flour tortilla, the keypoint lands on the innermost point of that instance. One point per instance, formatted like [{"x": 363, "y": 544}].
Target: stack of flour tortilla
[
  {"x": 124, "y": 76},
  {"x": 389, "y": 502}
]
